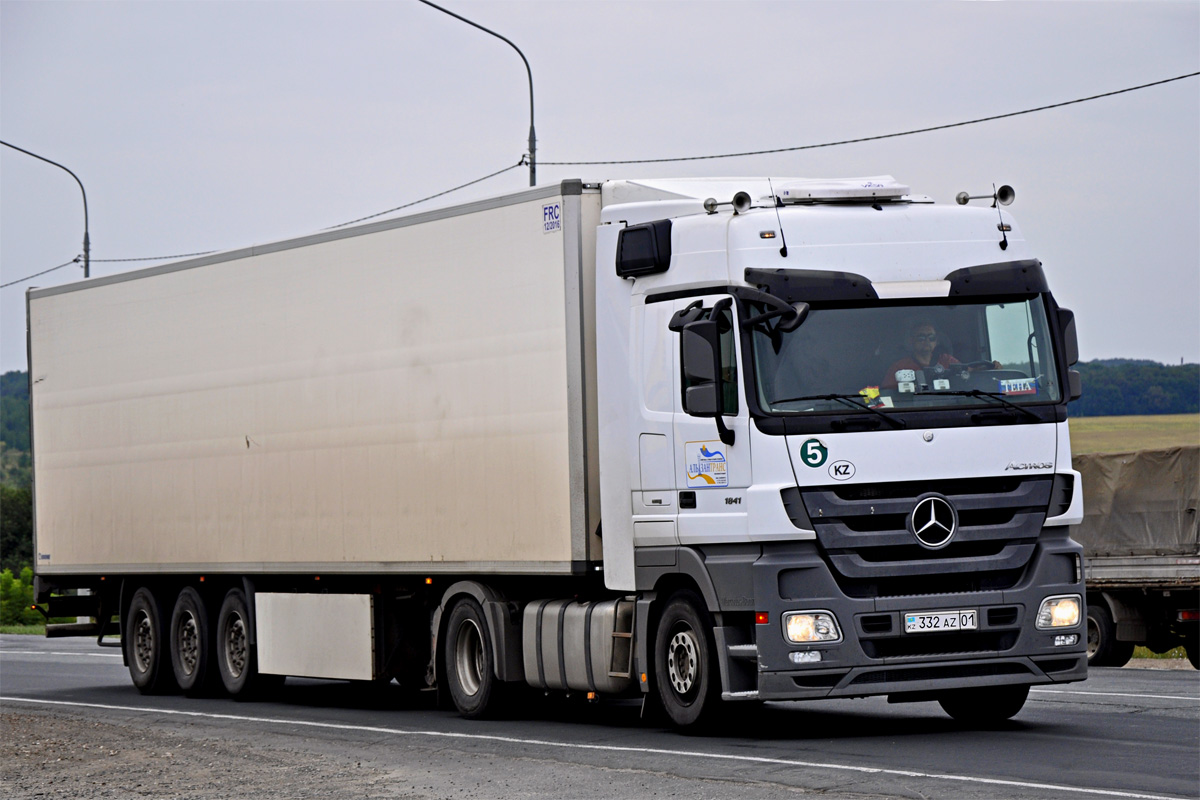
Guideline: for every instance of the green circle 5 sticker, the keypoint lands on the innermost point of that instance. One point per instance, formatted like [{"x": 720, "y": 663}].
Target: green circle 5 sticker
[{"x": 813, "y": 453}]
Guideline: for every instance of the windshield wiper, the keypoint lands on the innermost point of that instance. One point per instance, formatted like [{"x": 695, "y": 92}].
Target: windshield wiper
[
  {"x": 848, "y": 399},
  {"x": 999, "y": 398}
]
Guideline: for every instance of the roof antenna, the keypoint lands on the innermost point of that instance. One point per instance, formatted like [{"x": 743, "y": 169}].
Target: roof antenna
[{"x": 778, "y": 203}]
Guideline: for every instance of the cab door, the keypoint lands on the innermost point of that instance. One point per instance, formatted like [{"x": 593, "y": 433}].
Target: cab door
[
  {"x": 712, "y": 469},
  {"x": 655, "y": 356}
]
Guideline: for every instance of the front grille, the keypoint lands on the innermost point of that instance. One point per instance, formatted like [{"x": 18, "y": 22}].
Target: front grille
[{"x": 862, "y": 530}]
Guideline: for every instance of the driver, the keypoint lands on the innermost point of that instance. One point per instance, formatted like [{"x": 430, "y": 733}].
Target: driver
[{"x": 922, "y": 345}]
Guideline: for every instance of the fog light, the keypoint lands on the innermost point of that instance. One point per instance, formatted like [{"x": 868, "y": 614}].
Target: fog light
[
  {"x": 1066, "y": 641},
  {"x": 801, "y": 627},
  {"x": 1059, "y": 612},
  {"x": 805, "y": 657}
]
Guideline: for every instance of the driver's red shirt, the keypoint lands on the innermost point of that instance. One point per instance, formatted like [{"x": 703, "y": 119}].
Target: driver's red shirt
[{"x": 889, "y": 379}]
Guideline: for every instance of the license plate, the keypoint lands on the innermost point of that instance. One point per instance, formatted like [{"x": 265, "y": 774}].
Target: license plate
[{"x": 966, "y": 620}]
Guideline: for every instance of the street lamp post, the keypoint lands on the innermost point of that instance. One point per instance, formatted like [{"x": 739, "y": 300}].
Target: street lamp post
[
  {"x": 532, "y": 135},
  {"x": 87, "y": 245}
]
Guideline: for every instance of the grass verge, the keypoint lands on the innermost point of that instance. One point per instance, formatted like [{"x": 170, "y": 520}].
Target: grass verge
[
  {"x": 31, "y": 630},
  {"x": 1125, "y": 434},
  {"x": 1177, "y": 652}
]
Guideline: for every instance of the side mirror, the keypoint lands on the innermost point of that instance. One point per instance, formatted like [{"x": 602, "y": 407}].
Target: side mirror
[
  {"x": 1066, "y": 323},
  {"x": 701, "y": 355},
  {"x": 1076, "y": 384}
]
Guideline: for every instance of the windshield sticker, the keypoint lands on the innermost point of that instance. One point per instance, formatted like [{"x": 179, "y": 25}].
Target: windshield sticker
[
  {"x": 941, "y": 385},
  {"x": 813, "y": 453},
  {"x": 706, "y": 465},
  {"x": 1019, "y": 386},
  {"x": 871, "y": 395}
]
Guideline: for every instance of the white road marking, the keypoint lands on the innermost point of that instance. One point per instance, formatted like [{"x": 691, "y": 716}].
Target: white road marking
[
  {"x": 48, "y": 653},
  {"x": 787, "y": 762},
  {"x": 1116, "y": 694}
]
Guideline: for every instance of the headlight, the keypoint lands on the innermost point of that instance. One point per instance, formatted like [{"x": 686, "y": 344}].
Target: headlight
[
  {"x": 806, "y": 627},
  {"x": 1059, "y": 612}
]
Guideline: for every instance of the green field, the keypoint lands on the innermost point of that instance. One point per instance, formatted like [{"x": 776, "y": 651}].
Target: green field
[{"x": 1125, "y": 434}]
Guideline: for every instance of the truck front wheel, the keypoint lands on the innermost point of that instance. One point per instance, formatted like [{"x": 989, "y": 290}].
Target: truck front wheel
[
  {"x": 469, "y": 669},
  {"x": 1103, "y": 649},
  {"x": 145, "y": 637},
  {"x": 683, "y": 661},
  {"x": 984, "y": 706}
]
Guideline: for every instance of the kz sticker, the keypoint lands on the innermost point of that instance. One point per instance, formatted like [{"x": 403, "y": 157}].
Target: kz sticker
[
  {"x": 706, "y": 466},
  {"x": 841, "y": 470}
]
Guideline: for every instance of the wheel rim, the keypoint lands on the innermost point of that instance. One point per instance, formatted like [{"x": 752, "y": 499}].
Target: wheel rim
[
  {"x": 468, "y": 657},
  {"x": 1093, "y": 637},
  {"x": 235, "y": 646},
  {"x": 143, "y": 641},
  {"x": 683, "y": 663},
  {"x": 187, "y": 644}
]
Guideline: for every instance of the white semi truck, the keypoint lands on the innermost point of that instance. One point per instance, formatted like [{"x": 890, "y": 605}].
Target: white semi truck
[{"x": 702, "y": 440}]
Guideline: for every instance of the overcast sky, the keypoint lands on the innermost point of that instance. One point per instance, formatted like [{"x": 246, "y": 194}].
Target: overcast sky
[{"x": 215, "y": 125}]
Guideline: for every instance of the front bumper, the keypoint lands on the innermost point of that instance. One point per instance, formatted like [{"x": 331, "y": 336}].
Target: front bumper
[{"x": 876, "y": 656}]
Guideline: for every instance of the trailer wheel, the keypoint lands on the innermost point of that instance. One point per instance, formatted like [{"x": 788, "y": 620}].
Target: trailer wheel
[
  {"x": 470, "y": 672},
  {"x": 1103, "y": 649},
  {"x": 192, "y": 644},
  {"x": 683, "y": 661},
  {"x": 145, "y": 637},
  {"x": 984, "y": 706},
  {"x": 237, "y": 661}
]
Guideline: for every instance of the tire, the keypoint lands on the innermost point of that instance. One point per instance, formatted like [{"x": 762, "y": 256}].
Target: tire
[
  {"x": 145, "y": 636},
  {"x": 684, "y": 675},
  {"x": 237, "y": 660},
  {"x": 985, "y": 706},
  {"x": 192, "y": 645},
  {"x": 469, "y": 665},
  {"x": 1102, "y": 646}
]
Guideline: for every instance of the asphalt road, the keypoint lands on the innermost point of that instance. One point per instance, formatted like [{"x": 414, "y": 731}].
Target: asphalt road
[{"x": 1124, "y": 733}]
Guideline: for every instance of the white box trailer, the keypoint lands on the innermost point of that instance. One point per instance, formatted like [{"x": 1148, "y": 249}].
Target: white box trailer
[
  {"x": 391, "y": 398},
  {"x": 630, "y": 437}
]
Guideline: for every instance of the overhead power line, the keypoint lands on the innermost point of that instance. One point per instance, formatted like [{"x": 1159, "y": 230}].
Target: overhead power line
[
  {"x": 520, "y": 163},
  {"x": 870, "y": 138},
  {"x": 154, "y": 258},
  {"x": 74, "y": 260},
  {"x": 523, "y": 161}
]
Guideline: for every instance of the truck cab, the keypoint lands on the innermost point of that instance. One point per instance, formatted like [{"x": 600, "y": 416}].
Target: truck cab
[{"x": 833, "y": 424}]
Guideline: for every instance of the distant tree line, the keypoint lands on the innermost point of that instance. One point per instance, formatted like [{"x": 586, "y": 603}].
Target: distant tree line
[{"x": 1120, "y": 387}]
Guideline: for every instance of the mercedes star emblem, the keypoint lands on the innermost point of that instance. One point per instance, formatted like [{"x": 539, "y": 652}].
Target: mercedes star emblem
[{"x": 933, "y": 521}]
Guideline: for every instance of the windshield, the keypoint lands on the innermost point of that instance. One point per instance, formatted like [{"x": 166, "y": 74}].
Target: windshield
[{"x": 907, "y": 356}]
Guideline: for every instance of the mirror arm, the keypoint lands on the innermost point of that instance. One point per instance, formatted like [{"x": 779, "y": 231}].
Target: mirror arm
[{"x": 725, "y": 434}]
